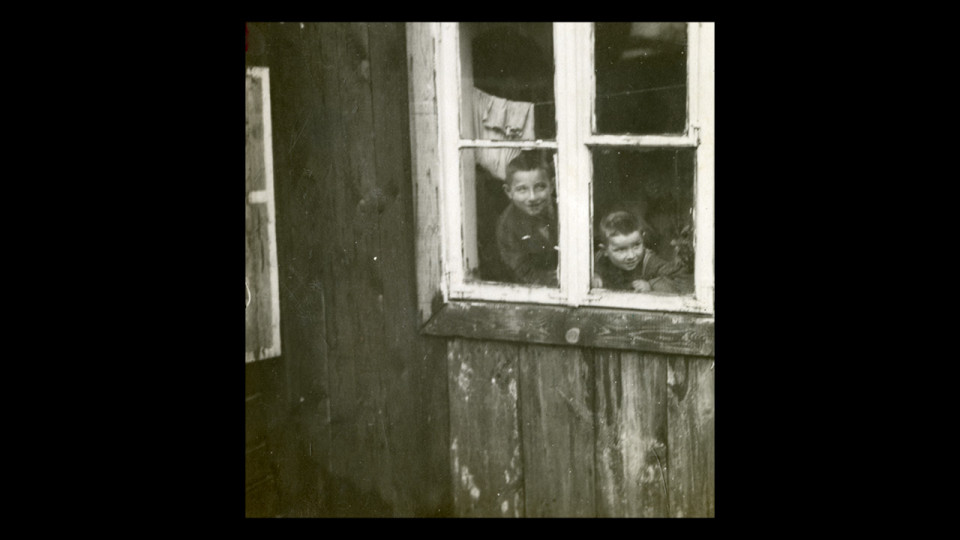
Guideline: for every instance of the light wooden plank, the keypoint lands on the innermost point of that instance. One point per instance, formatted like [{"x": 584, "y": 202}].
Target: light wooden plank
[
  {"x": 259, "y": 333},
  {"x": 263, "y": 321},
  {"x": 631, "y": 434},
  {"x": 690, "y": 445},
  {"x": 556, "y": 396},
  {"x": 424, "y": 149},
  {"x": 484, "y": 429}
]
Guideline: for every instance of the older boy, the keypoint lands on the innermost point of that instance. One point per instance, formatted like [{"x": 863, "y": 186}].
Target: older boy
[
  {"x": 625, "y": 264},
  {"x": 527, "y": 229}
]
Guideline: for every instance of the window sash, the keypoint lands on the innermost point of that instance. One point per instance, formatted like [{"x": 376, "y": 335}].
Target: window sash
[{"x": 575, "y": 89}]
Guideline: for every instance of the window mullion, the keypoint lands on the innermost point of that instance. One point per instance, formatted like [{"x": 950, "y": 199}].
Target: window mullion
[{"x": 573, "y": 46}]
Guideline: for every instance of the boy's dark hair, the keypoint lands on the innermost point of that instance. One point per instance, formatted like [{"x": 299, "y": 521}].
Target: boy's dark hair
[
  {"x": 528, "y": 160},
  {"x": 620, "y": 222}
]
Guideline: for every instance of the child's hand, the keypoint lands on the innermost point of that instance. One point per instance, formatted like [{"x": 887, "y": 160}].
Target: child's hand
[
  {"x": 640, "y": 285},
  {"x": 597, "y": 282}
]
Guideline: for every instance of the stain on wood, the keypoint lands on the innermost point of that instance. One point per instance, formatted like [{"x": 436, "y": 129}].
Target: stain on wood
[
  {"x": 690, "y": 445},
  {"x": 631, "y": 434},
  {"x": 488, "y": 473},
  {"x": 556, "y": 405}
]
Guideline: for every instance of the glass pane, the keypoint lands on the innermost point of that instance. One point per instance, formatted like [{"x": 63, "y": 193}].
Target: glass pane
[
  {"x": 641, "y": 73},
  {"x": 507, "y": 81},
  {"x": 643, "y": 220},
  {"x": 510, "y": 230}
]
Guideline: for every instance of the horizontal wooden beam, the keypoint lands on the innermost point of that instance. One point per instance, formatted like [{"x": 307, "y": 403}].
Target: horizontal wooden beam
[{"x": 674, "y": 333}]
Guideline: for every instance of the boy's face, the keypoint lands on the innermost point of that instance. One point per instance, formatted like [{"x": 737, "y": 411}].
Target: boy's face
[
  {"x": 530, "y": 191},
  {"x": 625, "y": 251}
]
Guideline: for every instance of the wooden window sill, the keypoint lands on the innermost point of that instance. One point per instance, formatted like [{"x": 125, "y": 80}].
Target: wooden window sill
[{"x": 676, "y": 333}]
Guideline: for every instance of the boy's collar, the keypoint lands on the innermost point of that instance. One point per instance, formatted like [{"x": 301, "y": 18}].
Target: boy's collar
[{"x": 550, "y": 217}]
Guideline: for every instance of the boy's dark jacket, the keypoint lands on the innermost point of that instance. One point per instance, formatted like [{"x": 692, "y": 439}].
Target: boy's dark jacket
[
  {"x": 663, "y": 276},
  {"x": 530, "y": 254}
]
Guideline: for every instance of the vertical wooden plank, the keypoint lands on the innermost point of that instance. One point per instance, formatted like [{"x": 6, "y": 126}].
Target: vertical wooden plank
[
  {"x": 361, "y": 459},
  {"x": 433, "y": 491},
  {"x": 421, "y": 50},
  {"x": 262, "y": 499},
  {"x": 263, "y": 417},
  {"x": 690, "y": 436},
  {"x": 631, "y": 434},
  {"x": 420, "y": 457},
  {"x": 349, "y": 453},
  {"x": 301, "y": 440},
  {"x": 556, "y": 405},
  {"x": 263, "y": 309},
  {"x": 484, "y": 429}
]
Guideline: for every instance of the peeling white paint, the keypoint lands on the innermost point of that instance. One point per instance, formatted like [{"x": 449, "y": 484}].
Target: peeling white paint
[
  {"x": 513, "y": 389},
  {"x": 467, "y": 480},
  {"x": 505, "y": 507},
  {"x": 463, "y": 378},
  {"x": 456, "y": 457}
]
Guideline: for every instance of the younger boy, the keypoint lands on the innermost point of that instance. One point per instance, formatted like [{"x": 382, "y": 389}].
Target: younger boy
[
  {"x": 625, "y": 264},
  {"x": 527, "y": 228}
]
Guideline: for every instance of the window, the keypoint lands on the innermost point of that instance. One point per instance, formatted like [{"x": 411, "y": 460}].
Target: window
[
  {"x": 262, "y": 284},
  {"x": 618, "y": 116}
]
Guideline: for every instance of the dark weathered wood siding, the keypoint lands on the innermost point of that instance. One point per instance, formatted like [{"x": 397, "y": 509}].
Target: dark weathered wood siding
[
  {"x": 362, "y": 415},
  {"x": 354, "y": 416}
]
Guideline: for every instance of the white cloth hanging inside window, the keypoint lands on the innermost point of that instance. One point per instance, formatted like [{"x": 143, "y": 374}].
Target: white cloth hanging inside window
[{"x": 501, "y": 120}]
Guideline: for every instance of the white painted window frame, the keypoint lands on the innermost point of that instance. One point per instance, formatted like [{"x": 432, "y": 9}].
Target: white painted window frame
[
  {"x": 266, "y": 197},
  {"x": 576, "y": 120}
]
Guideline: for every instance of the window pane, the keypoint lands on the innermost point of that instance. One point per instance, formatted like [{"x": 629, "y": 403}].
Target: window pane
[
  {"x": 643, "y": 220},
  {"x": 507, "y": 81},
  {"x": 641, "y": 71},
  {"x": 509, "y": 229}
]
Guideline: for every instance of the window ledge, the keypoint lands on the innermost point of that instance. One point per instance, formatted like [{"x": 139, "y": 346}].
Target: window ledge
[{"x": 674, "y": 333}]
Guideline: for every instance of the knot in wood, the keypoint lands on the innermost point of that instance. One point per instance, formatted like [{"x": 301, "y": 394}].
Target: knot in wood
[{"x": 573, "y": 335}]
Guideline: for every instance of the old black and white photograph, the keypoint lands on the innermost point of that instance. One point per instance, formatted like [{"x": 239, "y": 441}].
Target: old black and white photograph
[{"x": 480, "y": 277}]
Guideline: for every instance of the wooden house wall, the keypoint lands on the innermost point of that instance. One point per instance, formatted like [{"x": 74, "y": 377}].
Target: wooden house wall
[
  {"x": 551, "y": 431},
  {"x": 352, "y": 416},
  {"x": 364, "y": 416}
]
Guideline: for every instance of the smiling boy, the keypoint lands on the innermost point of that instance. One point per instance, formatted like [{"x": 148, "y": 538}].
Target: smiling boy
[
  {"x": 527, "y": 229},
  {"x": 626, "y": 264}
]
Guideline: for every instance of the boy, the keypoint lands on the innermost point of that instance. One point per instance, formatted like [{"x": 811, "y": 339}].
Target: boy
[
  {"x": 625, "y": 264},
  {"x": 527, "y": 228}
]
